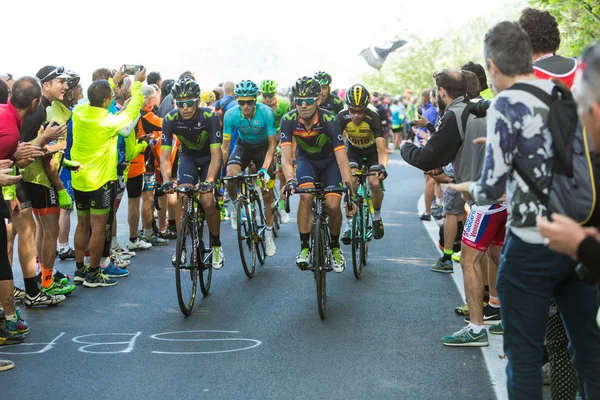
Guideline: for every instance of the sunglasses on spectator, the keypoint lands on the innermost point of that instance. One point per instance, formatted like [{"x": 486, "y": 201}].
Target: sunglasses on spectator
[
  {"x": 188, "y": 103},
  {"x": 58, "y": 71},
  {"x": 308, "y": 101},
  {"x": 246, "y": 102},
  {"x": 357, "y": 110}
]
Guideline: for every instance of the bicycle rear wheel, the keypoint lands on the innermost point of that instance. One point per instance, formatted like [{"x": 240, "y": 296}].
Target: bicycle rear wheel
[
  {"x": 245, "y": 232},
  {"x": 186, "y": 266},
  {"x": 320, "y": 268},
  {"x": 357, "y": 242},
  {"x": 260, "y": 224},
  {"x": 205, "y": 254},
  {"x": 368, "y": 234},
  {"x": 276, "y": 219}
]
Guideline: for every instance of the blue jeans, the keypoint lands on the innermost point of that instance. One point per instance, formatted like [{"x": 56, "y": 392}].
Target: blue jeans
[{"x": 529, "y": 276}]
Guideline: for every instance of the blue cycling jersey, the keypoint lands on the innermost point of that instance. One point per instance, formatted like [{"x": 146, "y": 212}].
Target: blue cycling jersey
[{"x": 254, "y": 132}]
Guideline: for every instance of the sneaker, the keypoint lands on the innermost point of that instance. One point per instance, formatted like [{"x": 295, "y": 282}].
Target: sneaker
[
  {"x": 154, "y": 240},
  {"x": 438, "y": 214},
  {"x": 346, "y": 237},
  {"x": 462, "y": 310},
  {"x": 56, "y": 288},
  {"x": 378, "y": 229},
  {"x": 112, "y": 271},
  {"x": 444, "y": 267},
  {"x": 224, "y": 214},
  {"x": 59, "y": 277},
  {"x": 303, "y": 259},
  {"x": 18, "y": 327},
  {"x": 338, "y": 263},
  {"x": 285, "y": 217},
  {"x": 456, "y": 256},
  {"x": 19, "y": 294},
  {"x": 270, "y": 248},
  {"x": 69, "y": 254},
  {"x": 234, "y": 219},
  {"x": 182, "y": 261},
  {"x": 6, "y": 337},
  {"x": 5, "y": 365},
  {"x": 168, "y": 233},
  {"x": 124, "y": 254},
  {"x": 491, "y": 315},
  {"x": 97, "y": 278},
  {"x": 138, "y": 244},
  {"x": 435, "y": 207},
  {"x": 425, "y": 217},
  {"x": 80, "y": 274},
  {"x": 118, "y": 261},
  {"x": 217, "y": 257},
  {"x": 43, "y": 298},
  {"x": 497, "y": 329},
  {"x": 467, "y": 338}
]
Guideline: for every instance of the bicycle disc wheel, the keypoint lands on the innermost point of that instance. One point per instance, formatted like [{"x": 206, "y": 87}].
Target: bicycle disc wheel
[
  {"x": 320, "y": 268},
  {"x": 205, "y": 252},
  {"x": 260, "y": 224},
  {"x": 245, "y": 232},
  {"x": 186, "y": 269},
  {"x": 357, "y": 243}
]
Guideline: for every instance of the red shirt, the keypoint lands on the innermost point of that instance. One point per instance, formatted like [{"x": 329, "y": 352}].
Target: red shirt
[
  {"x": 10, "y": 125},
  {"x": 552, "y": 66}
]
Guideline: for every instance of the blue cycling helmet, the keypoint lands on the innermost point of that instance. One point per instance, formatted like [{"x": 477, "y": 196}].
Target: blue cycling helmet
[{"x": 246, "y": 89}]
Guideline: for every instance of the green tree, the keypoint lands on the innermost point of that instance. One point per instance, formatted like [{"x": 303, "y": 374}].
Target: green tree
[{"x": 578, "y": 21}]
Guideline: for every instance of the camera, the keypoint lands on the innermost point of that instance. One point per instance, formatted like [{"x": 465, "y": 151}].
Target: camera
[
  {"x": 479, "y": 109},
  {"x": 131, "y": 69}
]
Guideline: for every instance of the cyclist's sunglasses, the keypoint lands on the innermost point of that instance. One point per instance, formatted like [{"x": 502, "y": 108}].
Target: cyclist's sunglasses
[
  {"x": 188, "y": 102},
  {"x": 309, "y": 101},
  {"x": 357, "y": 110},
  {"x": 268, "y": 96},
  {"x": 246, "y": 102}
]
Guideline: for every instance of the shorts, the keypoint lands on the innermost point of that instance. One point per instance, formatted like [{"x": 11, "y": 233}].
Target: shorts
[
  {"x": 483, "y": 229},
  {"x": 65, "y": 177},
  {"x": 42, "y": 200},
  {"x": 454, "y": 204},
  {"x": 97, "y": 202},
  {"x": 135, "y": 186},
  {"x": 325, "y": 171},
  {"x": 397, "y": 129},
  {"x": 243, "y": 155},
  {"x": 189, "y": 166},
  {"x": 120, "y": 187},
  {"x": 149, "y": 182},
  {"x": 367, "y": 158}
]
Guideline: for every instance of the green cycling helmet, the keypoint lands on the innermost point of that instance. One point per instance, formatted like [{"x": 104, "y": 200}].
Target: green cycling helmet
[
  {"x": 268, "y": 86},
  {"x": 323, "y": 77},
  {"x": 246, "y": 89},
  {"x": 306, "y": 87}
]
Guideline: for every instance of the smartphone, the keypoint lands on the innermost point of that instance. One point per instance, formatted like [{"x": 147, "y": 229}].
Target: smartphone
[{"x": 131, "y": 69}]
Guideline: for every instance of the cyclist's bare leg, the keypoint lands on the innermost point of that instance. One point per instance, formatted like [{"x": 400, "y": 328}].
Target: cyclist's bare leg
[
  {"x": 162, "y": 213},
  {"x": 376, "y": 192},
  {"x": 305, "y": 213},
  {"x": 232, "y": 187},
  {"x": 213, "y": 217},
  {"x": 332, "y": 204},
  {"x": 181, "y": 203},
  {"x": 24, "y": 224},
  {"x": 268, "y": 197}
]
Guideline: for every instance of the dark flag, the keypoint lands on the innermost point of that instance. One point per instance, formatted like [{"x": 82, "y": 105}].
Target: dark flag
[{"x": 376, "y": 56}]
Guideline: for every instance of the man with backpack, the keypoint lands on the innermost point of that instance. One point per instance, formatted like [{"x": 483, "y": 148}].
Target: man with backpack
[{"x": 524, "y": 159}]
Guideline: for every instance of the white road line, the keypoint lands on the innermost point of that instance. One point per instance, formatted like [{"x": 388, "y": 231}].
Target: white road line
[{"x": 493, "y": 355}]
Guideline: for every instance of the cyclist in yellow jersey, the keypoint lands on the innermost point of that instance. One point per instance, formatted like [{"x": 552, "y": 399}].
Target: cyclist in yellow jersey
[{"x": 365, "y": 145}]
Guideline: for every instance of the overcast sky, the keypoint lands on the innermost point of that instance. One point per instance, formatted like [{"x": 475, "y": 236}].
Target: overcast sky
[{"x": 218, "y": 40}]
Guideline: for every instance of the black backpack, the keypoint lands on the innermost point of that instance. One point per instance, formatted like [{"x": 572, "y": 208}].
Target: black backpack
[{"x": 572, "y": 190}]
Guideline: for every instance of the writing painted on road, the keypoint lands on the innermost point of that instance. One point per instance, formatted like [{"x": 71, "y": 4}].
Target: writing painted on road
[{"x": 174, "y": 343}]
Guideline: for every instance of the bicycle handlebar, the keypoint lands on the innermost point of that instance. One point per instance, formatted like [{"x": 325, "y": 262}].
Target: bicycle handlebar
[
  {"x": 187, "y": 190},
  {"x": 316, "y": 190}
]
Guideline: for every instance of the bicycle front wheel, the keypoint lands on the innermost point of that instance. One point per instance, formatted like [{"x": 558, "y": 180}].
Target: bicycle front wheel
[
  {"x": 205, "y": 252},
  {"x": 186, "y": 266},
  {"x": 357, "y": 242},
  {"x": 320, "y": 268},
  {"x": 245, "y": 232},
  {"x": 260, "y": 224}
]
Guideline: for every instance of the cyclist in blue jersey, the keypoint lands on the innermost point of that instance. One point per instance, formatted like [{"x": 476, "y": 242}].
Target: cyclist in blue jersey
[
  {"x": 256, "y": 143},
  {"x": 197, "y": 129},
  {"x": 321, "y": 157}
]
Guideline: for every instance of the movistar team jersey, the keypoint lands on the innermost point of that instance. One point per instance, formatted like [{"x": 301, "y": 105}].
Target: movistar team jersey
[
  {"x": 254, "y": 132},
  {"x": 332, "y": 104},
  {"x": 197, "y": 135},
  {"x": 282, "y": 107},
  {"x": 323, "y": 139},
  {"x": 364, "y": 134}
]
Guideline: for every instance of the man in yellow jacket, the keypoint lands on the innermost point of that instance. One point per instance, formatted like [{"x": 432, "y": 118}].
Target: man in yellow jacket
[{"x": 95, "y": 133}]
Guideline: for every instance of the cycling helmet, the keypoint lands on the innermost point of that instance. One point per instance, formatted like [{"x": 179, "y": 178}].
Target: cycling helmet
[
  {"x": 306, "y": 87},
  {"x": 186, "y": 88},
  {"x": 357, "y": 96},
  {"x": 246, "y": 89},
  {"x": 73, "y": 79},
  {"x": 268, "y": 87},
  {"x": 323, "y": 77}
]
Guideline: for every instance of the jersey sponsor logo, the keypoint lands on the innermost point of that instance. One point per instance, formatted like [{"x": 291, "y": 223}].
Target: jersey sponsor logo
[
  {"x": 163, "y": 138},
  {"x": 208, "y": 114},
  {"x": 328, "y": 117},
  {"x": 340, "y": 137},
  {"x": 282, "y": 135},
  {"x": 321, "y": 141},
  {"x": 290, "y": 117},
  {"x": 200, "y": 141},
  {"x": 218, "y": 134},
  {"x": 172, "y": 117}
]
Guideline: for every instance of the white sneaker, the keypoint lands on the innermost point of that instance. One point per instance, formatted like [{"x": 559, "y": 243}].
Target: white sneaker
[
  {"x": 270, "y": 248},
  {"x": 119, "y": 261},
  {"x": 285, "y": 217},
  {"x": 138, "y": 244},
  {"x": 217, "y": 257},
  {"x": 234, "y": 219}
]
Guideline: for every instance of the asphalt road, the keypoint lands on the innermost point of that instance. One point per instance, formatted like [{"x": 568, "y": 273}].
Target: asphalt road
[{"x": 259, "y": 338}]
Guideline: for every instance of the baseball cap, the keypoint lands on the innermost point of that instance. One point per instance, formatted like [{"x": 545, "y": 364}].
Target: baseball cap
[{"x": 49, "y": 72}]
